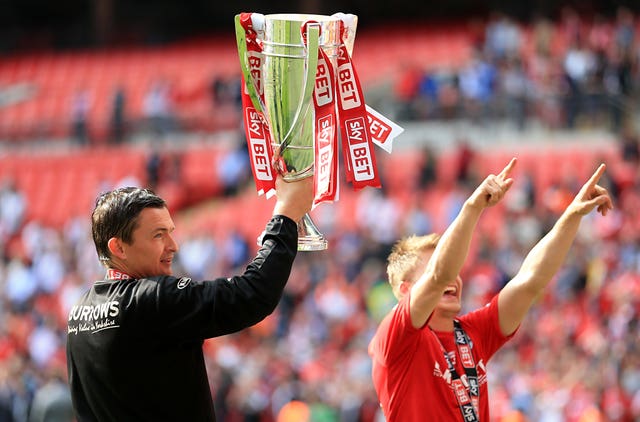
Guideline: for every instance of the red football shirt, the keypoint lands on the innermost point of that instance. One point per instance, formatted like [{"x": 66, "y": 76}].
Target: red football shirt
[{"x": 409, "y": 369}]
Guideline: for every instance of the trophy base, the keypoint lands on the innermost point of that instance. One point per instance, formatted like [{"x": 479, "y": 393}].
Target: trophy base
[
  {"x": 311, "y": 243},
  {"x": 309, "y": 237}
]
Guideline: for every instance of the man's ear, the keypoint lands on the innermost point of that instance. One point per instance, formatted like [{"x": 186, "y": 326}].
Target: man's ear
[{"x": 115, "y": 247}]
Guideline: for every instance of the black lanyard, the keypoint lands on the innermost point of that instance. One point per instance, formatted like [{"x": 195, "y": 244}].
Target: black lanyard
[{"x": 467, "y": 394}]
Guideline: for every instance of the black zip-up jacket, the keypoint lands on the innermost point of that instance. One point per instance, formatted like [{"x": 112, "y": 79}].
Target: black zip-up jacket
[{"x": 134, "y": 347}]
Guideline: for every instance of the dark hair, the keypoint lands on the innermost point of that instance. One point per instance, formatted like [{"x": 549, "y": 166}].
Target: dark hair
[{"x": 116, "y": 215}]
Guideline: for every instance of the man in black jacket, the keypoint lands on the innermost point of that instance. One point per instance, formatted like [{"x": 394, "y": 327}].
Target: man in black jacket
[{"x": 134, "y": 342}]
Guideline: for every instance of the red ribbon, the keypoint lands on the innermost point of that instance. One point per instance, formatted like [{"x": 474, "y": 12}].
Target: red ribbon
[
  {"x": 357, "y": 145},
  {"x": 326, "y": 134},
  {"x": 255, "y": 124}
]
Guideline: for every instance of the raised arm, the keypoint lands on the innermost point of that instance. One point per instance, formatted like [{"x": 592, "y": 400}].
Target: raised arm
[
  {"x": 546, "y": 257},
  {"x": 247, "y": 298},
  {"x": 449, "y": 256}
]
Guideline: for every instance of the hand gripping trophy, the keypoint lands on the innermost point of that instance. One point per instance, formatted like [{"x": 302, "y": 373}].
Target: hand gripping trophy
[{"x": 300, "y": 89}]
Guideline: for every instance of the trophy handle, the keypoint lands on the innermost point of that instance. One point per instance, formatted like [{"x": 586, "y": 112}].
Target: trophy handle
[
  {"x": 241, "y": 40},
  {"x": 313, "y": 44}
]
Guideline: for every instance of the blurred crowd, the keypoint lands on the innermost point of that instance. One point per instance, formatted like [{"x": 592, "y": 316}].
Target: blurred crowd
[
  {"x": 574, "y": 72},
  {"x": 575, "y": 359},
  {"x": 165, "y": 110}
]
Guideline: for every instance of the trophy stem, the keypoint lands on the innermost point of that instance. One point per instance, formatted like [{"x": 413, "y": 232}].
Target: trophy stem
[{"x": 309, "y": 237}]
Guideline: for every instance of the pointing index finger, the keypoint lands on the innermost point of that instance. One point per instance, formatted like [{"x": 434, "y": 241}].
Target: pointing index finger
[
  {"x": 507, "y": 170},
  {"x": 595, "y": 177}
]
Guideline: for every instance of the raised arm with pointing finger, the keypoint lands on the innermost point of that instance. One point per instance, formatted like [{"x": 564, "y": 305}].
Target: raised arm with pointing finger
[
  {"x": 546, "y": 257},
  {"x": 450, "y": 253},
  {"x": 428, "y": 362}
]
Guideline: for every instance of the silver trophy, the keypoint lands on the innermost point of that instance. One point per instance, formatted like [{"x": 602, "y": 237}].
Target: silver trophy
[{"x": 288, "y": 70}]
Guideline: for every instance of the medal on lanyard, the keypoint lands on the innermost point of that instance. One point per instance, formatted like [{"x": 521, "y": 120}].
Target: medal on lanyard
[{"x": 467, "y": 393}]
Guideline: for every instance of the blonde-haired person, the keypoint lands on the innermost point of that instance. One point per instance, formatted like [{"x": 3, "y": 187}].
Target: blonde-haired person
[{"x": 428, "y": 362}]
